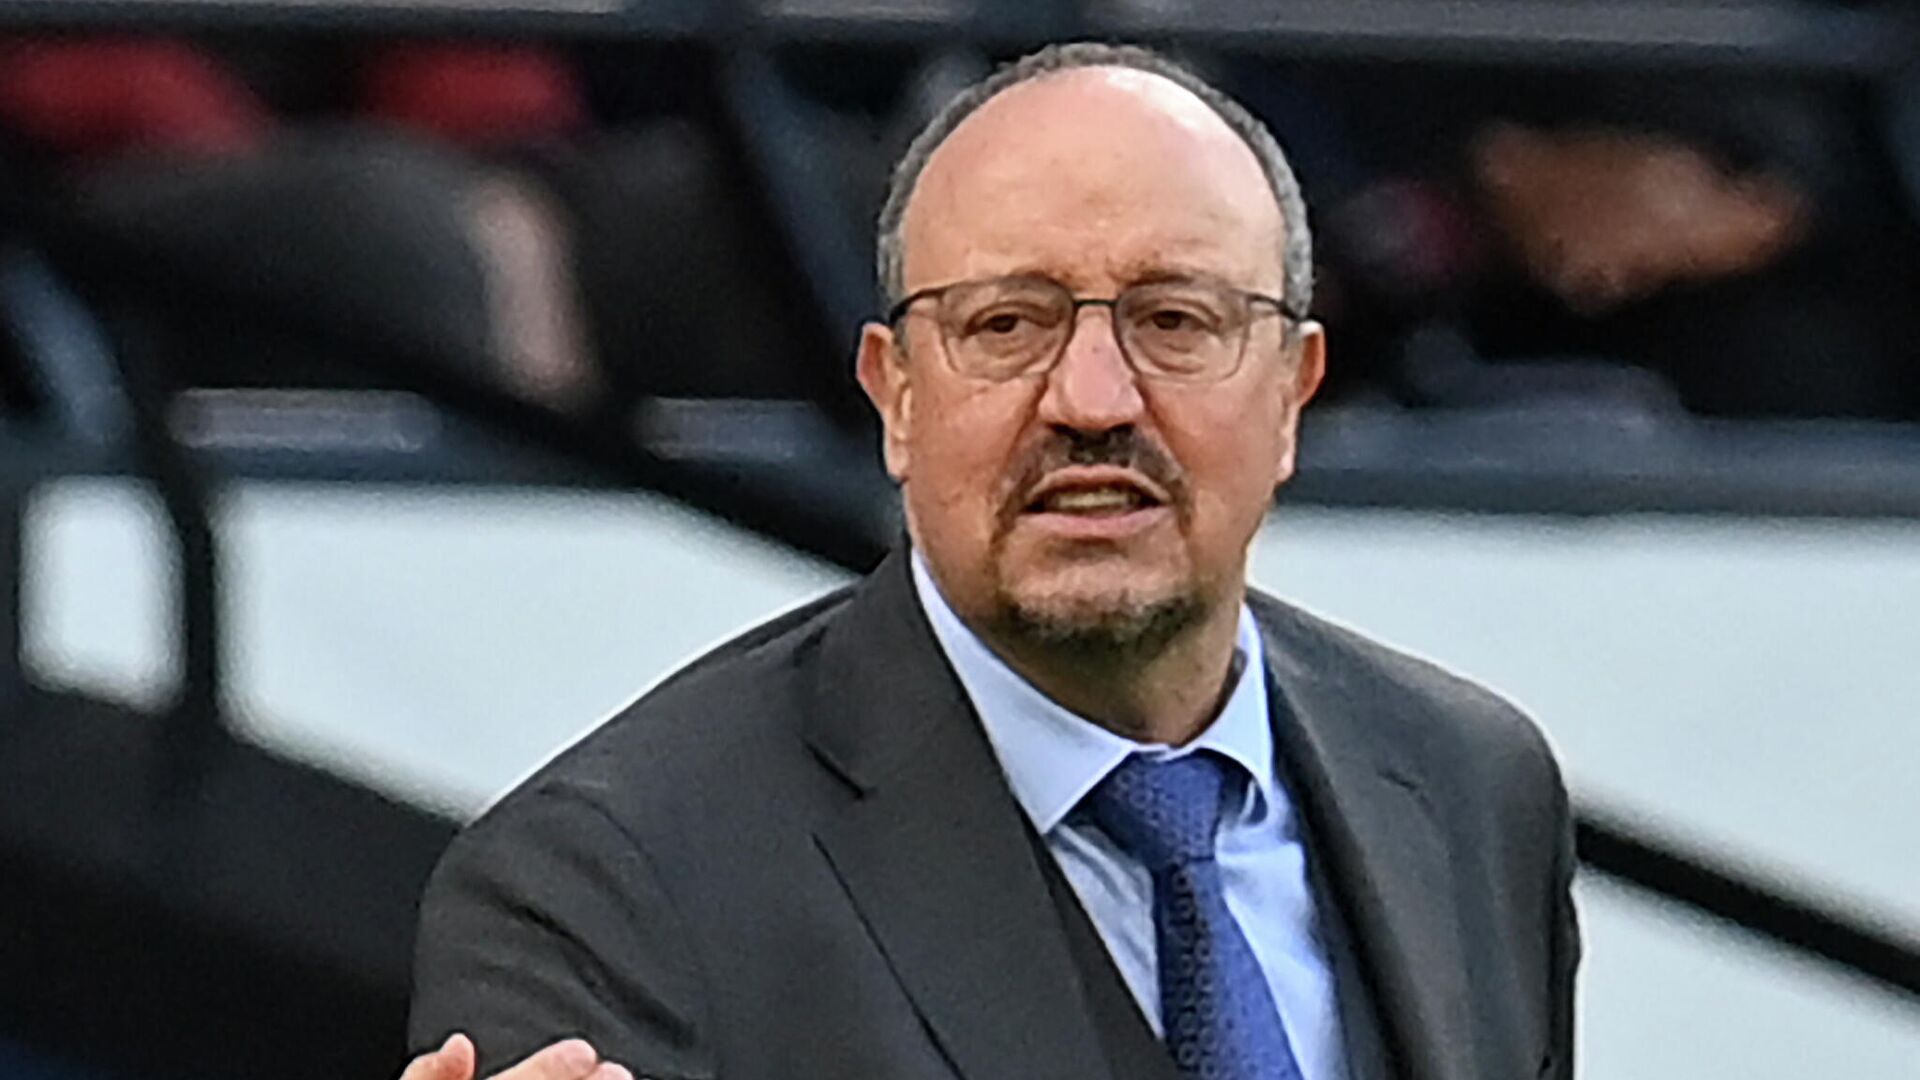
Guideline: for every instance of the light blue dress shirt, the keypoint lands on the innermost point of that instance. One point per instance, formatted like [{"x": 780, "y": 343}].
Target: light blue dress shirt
[{"x": 1053, "y": 758}]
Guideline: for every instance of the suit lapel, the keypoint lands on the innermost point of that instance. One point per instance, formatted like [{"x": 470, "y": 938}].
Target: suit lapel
[
  {"x": 934, "y": 851},
  {"x": 1361, "y": 1031},
  {"x": 1381, "y": 848}
]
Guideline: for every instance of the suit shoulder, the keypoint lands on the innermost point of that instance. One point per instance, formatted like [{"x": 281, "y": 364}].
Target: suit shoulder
[
  {"x": 728, "y": 712},
  {"x": 1444, "y": 711}
]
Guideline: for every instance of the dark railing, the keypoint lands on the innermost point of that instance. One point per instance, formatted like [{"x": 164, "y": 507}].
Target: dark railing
[
  {"x": 1772, "y": 35},
  {"x": 1851, "y": 941}
]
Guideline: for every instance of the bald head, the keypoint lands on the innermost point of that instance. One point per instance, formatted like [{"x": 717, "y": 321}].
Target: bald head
[
  {"x": 1096, "y": 177},
  {"x": 1110, "y": 120}
]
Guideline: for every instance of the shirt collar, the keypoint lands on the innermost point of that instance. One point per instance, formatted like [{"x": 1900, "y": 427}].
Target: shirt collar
[{"x": 1052, "y": 757}]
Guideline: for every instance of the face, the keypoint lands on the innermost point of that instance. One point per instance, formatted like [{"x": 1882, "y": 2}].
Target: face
[{"x": 1090, "y": 502}]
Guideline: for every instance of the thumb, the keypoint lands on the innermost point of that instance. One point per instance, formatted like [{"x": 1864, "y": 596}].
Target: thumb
[
  {"x": 571, "y": 1059},
  {"x": 453, "y": 1061}
]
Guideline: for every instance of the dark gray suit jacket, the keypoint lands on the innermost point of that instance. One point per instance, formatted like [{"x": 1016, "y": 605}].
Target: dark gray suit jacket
[{"x": 797, "y": 858}]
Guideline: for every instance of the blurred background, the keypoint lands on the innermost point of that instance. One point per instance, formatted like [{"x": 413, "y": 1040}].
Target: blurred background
[{"x": 390, "y": 389}]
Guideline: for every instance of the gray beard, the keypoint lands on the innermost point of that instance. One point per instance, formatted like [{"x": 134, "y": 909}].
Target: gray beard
[{"x": 1108, "y": 641}]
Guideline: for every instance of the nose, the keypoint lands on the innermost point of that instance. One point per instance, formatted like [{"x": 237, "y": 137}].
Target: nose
[{"x": 1092, "y": 388}]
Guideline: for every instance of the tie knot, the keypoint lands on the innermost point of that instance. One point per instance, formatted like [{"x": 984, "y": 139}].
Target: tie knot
[{"x": 1163, "y": 813}]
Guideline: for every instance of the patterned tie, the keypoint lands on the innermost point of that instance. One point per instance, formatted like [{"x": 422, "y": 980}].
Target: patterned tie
[{"x": 1215, "y": 1005}]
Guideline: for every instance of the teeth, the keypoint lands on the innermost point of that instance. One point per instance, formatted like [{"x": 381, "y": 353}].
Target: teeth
[{"x": 1092, "y": 501}]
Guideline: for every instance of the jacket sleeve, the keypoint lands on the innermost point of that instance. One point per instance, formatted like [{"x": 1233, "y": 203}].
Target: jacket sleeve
[{"x": 546, "y": 921}]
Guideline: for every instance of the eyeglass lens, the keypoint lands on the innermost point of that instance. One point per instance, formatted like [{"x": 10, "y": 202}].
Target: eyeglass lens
[{"x": 1007, "y": 328}]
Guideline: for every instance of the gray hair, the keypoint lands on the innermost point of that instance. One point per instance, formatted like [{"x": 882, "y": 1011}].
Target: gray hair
[{"x": 1296, "y": 254}]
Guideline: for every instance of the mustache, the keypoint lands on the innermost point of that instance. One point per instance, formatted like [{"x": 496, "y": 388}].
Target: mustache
[{"x": 1122, "y": 447}]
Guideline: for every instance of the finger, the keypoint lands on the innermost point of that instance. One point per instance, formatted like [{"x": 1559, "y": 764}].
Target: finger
[
  {"x": 453, "y": 1061},
  {"x": 571, "y": 1059},
  {"x": 610, "y": 1071}
]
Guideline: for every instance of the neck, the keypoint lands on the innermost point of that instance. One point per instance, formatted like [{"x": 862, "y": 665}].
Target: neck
[{"x": 1168, "y": 696}]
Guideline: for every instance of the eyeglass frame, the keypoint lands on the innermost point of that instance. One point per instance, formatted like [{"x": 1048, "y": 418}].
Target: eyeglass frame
[{"x": 1281, "y": 307}]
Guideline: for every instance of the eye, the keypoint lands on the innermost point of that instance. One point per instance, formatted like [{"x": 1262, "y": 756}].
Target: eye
[
  {"x": 1173, "y": 320},
  {"x": 1007, "y": 321},
  {"x": 1000, "y": 322},
  {"x": 1177, "y": 322}
]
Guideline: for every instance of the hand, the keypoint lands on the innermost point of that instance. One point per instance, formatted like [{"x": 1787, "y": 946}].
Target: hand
[
  {"x": 572, "y": 1059},
  {"x": 1604, "y": 217}
]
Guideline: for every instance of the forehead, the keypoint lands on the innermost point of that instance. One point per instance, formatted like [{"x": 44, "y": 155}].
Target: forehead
[{"x": 1097, "y": 177}]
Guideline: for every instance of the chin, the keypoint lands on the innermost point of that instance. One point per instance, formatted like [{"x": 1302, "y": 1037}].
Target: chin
[{"x": 1094, "y": 612}]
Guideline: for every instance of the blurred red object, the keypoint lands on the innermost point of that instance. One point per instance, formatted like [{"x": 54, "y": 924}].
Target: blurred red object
[
  {"x": 474, "y": 94},
  {"x": 101, "y": 97}
]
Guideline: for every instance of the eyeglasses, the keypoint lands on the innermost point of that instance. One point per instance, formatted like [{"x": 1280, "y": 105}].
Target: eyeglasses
[{"x": 1186, "y": 330}]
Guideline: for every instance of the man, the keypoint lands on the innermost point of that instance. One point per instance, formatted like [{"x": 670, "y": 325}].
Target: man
[{"x": 1050, "y": 794}]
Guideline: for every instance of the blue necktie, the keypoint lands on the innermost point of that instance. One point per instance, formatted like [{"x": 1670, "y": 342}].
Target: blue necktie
[{"x": 1215, "y": 1005}]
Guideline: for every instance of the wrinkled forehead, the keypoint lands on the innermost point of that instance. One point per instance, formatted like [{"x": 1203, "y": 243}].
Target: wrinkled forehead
[{"x": 1097, "y": 177}]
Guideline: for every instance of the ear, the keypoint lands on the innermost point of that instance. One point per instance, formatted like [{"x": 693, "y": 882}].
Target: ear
[
  {"x": 882, "y": 372},
  {"x": 1297, "y": 388}
]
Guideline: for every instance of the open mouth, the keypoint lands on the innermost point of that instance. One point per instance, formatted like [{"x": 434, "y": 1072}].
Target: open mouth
[{"x": 1093, "y": 496}]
